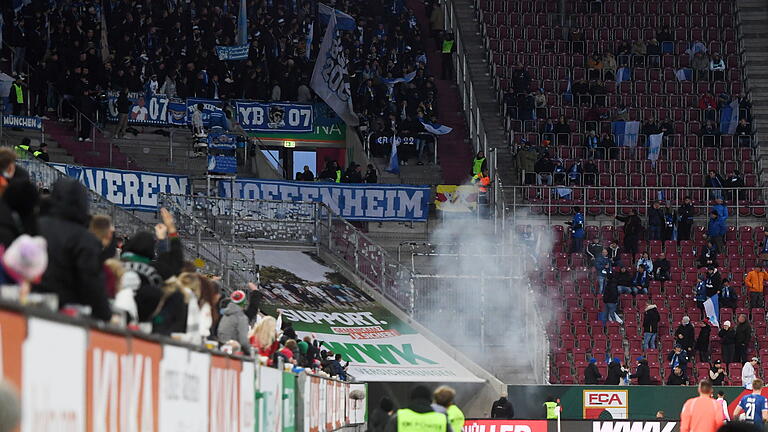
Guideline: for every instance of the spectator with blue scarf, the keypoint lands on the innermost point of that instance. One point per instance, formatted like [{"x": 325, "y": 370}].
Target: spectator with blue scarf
[
  {"x": 669, "y": 231},
  {"x": 603, "y": 267},
  {"x": 645, "y": 260},
  {"x": 592, "y": 141},
  {"x": 714, "y": 181},
  {"x": 577, "y": 230},
  {"x": 678, "y": 358},
  {"x": 640, "y": 281},
  {"x": 700, "y": 294},
  {"x": 728, "y": 297}
]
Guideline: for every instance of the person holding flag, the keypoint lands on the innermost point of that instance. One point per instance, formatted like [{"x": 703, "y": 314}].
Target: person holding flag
[{"x": 754, "y": 406}]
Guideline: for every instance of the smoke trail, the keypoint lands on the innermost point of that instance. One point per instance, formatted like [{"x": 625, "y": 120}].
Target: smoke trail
[{"x": 483, "y": 299}]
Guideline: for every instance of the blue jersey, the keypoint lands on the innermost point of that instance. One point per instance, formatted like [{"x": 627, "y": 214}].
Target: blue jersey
[{"x": 753, "y": 406}]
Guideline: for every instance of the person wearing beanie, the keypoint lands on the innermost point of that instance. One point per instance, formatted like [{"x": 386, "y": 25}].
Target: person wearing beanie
[
  {"x": 592, "y": 374},
  {"x": 234, "y": 323},
  {"x": 378, "y": 419},
  {"x": 727, "y": 336},
  {"x": 643, "y": 372},
  {"x": 684, "y": 334},
  {"x": 418, "y": 415},
  {"x": 74, "y": 272},
  {"x": 145, "y": 273}
]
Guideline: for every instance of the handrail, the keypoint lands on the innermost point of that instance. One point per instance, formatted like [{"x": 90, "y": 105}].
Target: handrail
[
  {"x": 477, "y": 131},
  {"x": 590, "y": 199}
]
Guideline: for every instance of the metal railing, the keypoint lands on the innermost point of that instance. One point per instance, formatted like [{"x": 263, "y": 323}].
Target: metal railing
[
  {"x": 236, "y": 223},
  {"x": 549, "y": 201},
  {"x": 469, "y": 100}
]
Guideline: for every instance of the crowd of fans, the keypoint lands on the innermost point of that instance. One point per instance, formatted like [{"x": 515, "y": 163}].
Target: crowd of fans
[
  {"x": 623, "y": 273},
  {"x": 59, "y": 56},
  {"x": 62, "y": 256}
]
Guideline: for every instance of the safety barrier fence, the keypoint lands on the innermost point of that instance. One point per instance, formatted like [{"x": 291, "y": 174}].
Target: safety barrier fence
[
  {"x": 553, "y": 201},
  {"x": 107, "y": 378},
  {"x": 234, "y": 223}
]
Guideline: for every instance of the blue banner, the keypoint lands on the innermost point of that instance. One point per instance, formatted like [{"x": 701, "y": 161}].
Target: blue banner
[
  {"x": 133, "y": 190},
  {"x": 209, "y": 105},
  {"x": 177, "y": 112},
  {"x": 238, "y": 52},
  {"x": 275, "y": 117},
  {"x": 371, "y": 202},
  {"x": 22, "y": 122},
  {"x": 145, "y": 110}
]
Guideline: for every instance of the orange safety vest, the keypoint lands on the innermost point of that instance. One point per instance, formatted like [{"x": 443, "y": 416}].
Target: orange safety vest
[{"x": 484, "y": 181}]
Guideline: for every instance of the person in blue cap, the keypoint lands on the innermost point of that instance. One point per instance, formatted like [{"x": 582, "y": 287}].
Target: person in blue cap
[
  {"x": 592, "y": 374},
  {"x": 643, "y": 372}
]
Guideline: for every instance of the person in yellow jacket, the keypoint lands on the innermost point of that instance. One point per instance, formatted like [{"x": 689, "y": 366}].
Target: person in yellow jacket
[
  {"x": 483, "y": 181},
  {"x": 553, "y": 408},
  {"x": 479, "y": 164},
  {"x": 443, "y": 397},
  {"x": 418, "y": 415}
]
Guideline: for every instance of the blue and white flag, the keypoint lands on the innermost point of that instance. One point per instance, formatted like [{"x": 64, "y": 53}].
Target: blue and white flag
[
  {"x": 654, "y": 146},
  {"x": 684, "y": 74},
  {"x": 436, "y": 128},
  {"x": 729, "y": 118},
  {"x": 394, "y": 162},
  {"x": 712, "y": 310},
  {"x": 330, "y": 77},
  {"x": 404, "y": 79},
  {"x": 626, "y": 133},
  {"x": 623, "y": 74},
  {"x": 343, "y": 21},
  {"x": 242, "y": 24}
]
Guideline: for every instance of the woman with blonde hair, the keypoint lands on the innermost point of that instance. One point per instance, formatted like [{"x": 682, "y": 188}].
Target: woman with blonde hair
[{"x": 263, "y": 337}]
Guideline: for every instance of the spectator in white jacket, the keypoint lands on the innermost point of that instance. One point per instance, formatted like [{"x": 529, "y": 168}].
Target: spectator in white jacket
[{"x": 748, "y": 373}]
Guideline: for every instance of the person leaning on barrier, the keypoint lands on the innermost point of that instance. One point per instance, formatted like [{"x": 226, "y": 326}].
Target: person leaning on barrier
[{"x": 418, "y": 415}]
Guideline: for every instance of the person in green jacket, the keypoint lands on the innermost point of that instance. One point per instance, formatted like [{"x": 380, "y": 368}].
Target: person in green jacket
[
  {"x": 418, "y": 415},
  {"x": 443, "y": 397},
  {"x": 479, "y": 164},
  {"x": 553, "y": 408}
]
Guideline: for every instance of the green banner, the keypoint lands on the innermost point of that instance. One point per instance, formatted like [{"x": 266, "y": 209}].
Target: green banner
[
  {"x": 289, "y": 402},
  {"x": 609, "y": 402},
  {"x": 327, "y": 127}
]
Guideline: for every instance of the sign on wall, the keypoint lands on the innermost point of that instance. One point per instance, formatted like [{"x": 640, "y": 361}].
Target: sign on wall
[
  {"x": 183, "y": 390},
  {"x": 134, "y": 190},
  {"x": 22, "y": 122},
  {"x": 52, "y": 399},
  {"x": 350, "y": 201},
  {"x": 275, "y": 116},
  {"x": 378, "y": 345},
  {"x": 615, "y": 402},
  {"x": 269, "y": 399}
]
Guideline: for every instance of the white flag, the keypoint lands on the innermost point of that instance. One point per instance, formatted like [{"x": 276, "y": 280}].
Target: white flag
[
  {"x": 654, "y": 146},
  {"x": 330, "y": 78}
]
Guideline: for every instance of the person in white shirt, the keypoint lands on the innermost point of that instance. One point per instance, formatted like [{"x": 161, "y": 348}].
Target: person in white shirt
[
  {"x": 721, "y": 400},
  {"x": 748, "y": 373}
]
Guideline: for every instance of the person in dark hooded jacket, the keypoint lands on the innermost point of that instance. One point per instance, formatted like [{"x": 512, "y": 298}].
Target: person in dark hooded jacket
[
  {"x": 19, "y": 200},
  {"x": 147, "y": 273},
  {"x": 615, "y": 372},
  {"x": 502, "y": 409},
  {"x": 702, "y": 341},
  {"x": 643, "y": 372},
  {"x": 74, "y": 272},
  {"x": 592, "y": 374}
]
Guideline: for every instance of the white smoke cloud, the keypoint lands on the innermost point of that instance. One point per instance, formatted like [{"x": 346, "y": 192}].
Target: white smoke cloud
[{"x": 482, "y": 299}]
